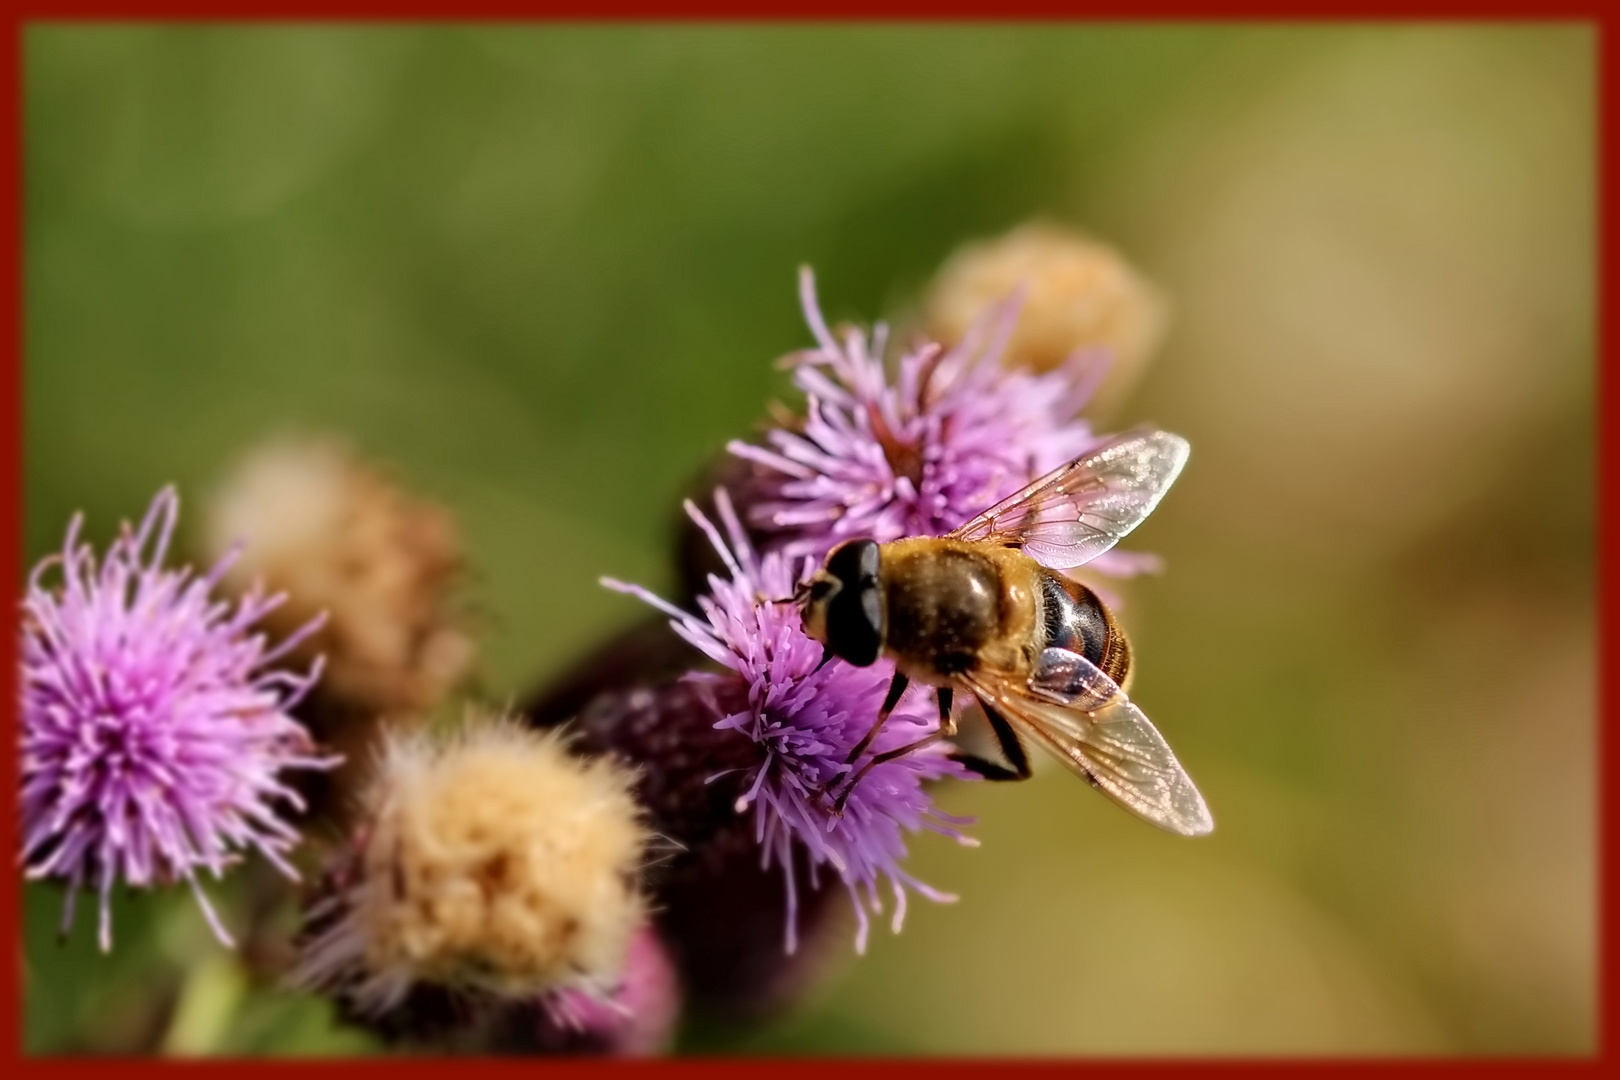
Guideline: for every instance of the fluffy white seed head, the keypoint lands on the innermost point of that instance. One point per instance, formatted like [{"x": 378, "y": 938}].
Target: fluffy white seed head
[
  {"x": 1078, "y": 294},
  {"x": 494, "y": 861},
  {"x": 335, "y": 534}
]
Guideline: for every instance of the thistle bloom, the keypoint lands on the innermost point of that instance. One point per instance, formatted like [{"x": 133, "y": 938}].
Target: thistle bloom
[
  {"x": 718, "y": 911},
  {"x": 950, "y": 435},
  {"x": 153, "y": 724},
  {"x": 804, "y": 719}
]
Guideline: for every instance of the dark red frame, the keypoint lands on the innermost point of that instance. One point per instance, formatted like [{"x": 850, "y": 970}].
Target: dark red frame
[{"x": 11, "y": 374}]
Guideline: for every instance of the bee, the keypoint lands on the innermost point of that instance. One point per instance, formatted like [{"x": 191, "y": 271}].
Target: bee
[{"x": 983, "y": 610}]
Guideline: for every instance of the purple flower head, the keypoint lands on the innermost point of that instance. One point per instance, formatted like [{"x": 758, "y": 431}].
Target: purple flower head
[
  {"x": 950, "y": 434},
  {"x": 805, "y": 721},
  {"x": 152, "y": 725}
]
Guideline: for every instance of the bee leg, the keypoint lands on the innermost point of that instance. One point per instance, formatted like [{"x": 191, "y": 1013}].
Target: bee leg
[
  {"x": 878, "y": 759},
  {"x": 1010, "y": 746},
  {"x": 947, "y": 728},
  {"x": 897, "y": 686},
  {"x": 987, "y": 770}
]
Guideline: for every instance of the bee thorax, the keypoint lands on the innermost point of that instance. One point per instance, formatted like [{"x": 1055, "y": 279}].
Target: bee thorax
[{"x": 943, "y": 606}]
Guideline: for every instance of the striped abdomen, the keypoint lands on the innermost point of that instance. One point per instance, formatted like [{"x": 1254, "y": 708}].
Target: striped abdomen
[{"x": 1074, "y": 619}]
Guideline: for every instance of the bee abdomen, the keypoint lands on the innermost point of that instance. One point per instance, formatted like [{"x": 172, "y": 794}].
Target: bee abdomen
[{"x": 1077, "y": 621}]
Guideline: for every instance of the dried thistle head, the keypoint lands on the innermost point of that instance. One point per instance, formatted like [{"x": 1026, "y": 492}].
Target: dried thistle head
[
  {"x": 337, "y": 534},
  {"x": 493, "y": 861},
  {"x": 1077, "y": 294}
]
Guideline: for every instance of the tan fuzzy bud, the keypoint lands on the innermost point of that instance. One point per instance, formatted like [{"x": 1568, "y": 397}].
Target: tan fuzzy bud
[
  {"x": 493, "y": 861},
  {"x": 1078, "y": 294},
  {"x": 335, "y": 534}
]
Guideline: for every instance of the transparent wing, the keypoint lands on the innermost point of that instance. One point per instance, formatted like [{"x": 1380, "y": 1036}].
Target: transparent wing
[
  {"x": 1079, "y": 714},
  {"x": 1075, "y": 513}
]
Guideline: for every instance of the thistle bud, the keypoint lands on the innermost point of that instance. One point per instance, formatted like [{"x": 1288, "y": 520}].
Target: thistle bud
[
  {"x": 1078, "y": 294},
  {"x": 646, "y": 653}
]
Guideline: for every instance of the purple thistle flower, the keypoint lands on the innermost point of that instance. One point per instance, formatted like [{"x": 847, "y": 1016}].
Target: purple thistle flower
[
  {"x": 805, "y": 721},
  {"x": 152, "y": 725},
  {"x": 952, "y": 433}
]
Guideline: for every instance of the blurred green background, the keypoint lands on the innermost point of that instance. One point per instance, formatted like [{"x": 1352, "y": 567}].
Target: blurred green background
[{"x": 544, "y": 270}]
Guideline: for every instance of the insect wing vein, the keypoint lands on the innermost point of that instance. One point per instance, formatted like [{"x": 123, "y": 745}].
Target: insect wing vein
[
  {"x": 1112, "y": 744},
  {"x": 1077, "y": 512}
]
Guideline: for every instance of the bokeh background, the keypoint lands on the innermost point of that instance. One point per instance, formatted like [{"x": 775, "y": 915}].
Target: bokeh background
[{"x": 544, "y": 272}]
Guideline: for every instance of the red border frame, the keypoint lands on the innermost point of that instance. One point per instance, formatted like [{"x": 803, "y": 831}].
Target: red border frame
[
  {"x": 11, "y": 419},
  {"x": 810, "y": 10}
]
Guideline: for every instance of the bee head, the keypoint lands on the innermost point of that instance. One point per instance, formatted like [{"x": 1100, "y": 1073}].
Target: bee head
[{"x": 842, "y": 604}]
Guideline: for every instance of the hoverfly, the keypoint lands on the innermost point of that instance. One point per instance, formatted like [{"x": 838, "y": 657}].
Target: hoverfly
[{"x": 982, "y": 610}]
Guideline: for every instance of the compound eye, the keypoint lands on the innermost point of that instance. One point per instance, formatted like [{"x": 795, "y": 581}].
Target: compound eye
[
  {"x": 854, "y": 562},
  {"x": 855, "y": 625}
]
